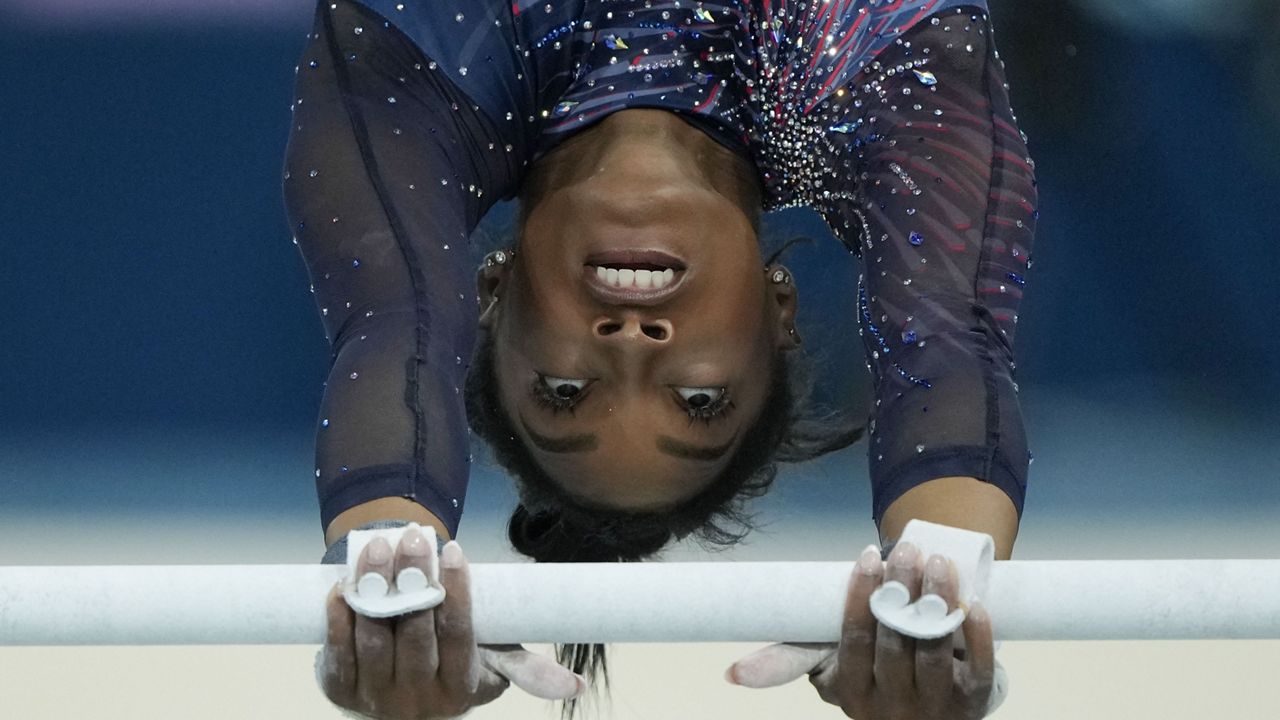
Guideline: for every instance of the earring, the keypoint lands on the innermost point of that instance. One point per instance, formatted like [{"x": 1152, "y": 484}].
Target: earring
[
  {"x": 498, "y": 257},
  {"x": 781, "y": 277}
]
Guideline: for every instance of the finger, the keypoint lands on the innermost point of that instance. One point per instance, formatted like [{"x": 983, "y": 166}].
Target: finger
[
  {"x": 894, "y": 666},
  {"x": 934, "y": 678},
  {"x": 336, "y": 662},
  {"x": 416, "y": 658},
  {"x": 537, "y": 675},
  {"x": 458, "y": 665},
  {"x": 490, "y": 687},
  {"x": 375, "y": 643},
  {"x": 975, "y": 675},
  {"x": 857, "y": 653},
  {"x": 778, "y": 664}
]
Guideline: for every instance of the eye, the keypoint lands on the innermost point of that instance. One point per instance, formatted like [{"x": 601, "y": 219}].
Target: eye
[
  {"x": 566, "y": 388},
  {"x": 704, "y": 403},
  {"x": 700, "y": 397},
  {"x": 558, "y": 393}
]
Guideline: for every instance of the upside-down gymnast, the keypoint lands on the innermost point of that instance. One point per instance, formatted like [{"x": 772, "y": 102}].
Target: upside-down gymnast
[{"x": 629, "y": 357}]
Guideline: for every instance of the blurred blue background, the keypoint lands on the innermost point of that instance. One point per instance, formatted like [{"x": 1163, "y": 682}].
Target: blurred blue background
[{"x": 161, "y": 356}]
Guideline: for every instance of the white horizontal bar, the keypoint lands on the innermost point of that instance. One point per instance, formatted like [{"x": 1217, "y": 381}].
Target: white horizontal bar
[{"x": 633, "y": 602}]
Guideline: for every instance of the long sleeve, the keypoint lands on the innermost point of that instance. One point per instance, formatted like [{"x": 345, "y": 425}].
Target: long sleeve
[
  {"x": 892, "y": 120},
  {"x": 943, "y": 214},
  {"x": 389, "y": 168}
]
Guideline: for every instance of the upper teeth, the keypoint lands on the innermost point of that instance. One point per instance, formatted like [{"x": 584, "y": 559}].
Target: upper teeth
[{"x": 635, "y": 278}]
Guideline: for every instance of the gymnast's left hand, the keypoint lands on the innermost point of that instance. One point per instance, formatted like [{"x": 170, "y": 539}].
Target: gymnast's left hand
[{"x": 876, "y": 673}]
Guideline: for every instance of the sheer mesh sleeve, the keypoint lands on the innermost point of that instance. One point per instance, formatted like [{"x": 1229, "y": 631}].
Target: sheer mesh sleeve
[
  {"x": 388, "y": 169},
  {"x": 941, "y": 209}
]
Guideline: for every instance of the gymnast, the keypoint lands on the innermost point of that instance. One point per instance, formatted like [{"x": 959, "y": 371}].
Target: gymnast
[{"x": 631, "y": 356}]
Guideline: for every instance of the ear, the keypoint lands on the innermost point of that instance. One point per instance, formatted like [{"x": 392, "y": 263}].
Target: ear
[
  {"x": 783, "y": 300},
  {"x": 490, "y": 278}
]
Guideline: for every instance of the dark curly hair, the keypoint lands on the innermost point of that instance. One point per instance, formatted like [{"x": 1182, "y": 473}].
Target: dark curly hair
[{"x": 549, "y": 525}]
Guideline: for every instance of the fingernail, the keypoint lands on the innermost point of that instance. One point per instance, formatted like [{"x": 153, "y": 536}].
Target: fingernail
[
  {"x": 582, "y": 685},
  {"x": 728, "y": 676},
  {"x": 869, "y": 561},
  {"x": 451, "y": 556},
  {"x": 413, "y": 543},
  {"x": 978, "y": 613},
  {"x": 936, "y": 569},
  {"x": 904, "y": 555},
  {"x": 379, "y": 551}
]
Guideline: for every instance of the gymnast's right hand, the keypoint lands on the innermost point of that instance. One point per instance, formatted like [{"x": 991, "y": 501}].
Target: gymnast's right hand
[{"x": 426, "y": 664}]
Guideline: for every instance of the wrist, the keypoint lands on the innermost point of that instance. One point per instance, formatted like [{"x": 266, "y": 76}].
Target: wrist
[
  {"x": 336, "y": 553},
  {"x": 384, "y": 508}
]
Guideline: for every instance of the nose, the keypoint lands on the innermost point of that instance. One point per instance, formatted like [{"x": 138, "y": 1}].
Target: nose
[{"x": 632, "y": 329}]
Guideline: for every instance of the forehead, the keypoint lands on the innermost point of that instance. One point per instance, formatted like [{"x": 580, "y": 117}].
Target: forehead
[{"x": 626, "y": 467}]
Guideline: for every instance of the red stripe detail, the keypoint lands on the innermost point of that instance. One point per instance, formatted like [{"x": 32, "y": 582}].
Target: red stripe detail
[
  {"x": 1005, "y": 221},
  {"x": 715, "y": 92}
]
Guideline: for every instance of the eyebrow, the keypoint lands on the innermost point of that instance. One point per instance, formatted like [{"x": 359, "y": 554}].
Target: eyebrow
[
  {"x": 672, "y": 446},
  {"x": 668, "y": 445},
  {"x": 570, "y": 444}
]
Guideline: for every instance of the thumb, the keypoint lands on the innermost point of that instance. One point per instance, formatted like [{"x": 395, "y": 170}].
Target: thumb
[
  {"x": 536, "y": 674},
  {"x": 779, "y": 664}
]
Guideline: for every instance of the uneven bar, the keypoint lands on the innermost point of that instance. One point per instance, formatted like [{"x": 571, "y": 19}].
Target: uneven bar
[{"x": 633, "y": 602}]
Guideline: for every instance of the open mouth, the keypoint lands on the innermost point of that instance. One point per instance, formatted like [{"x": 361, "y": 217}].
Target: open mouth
[
  {"x": 640, "y": 277},
  {"x": 629, "y": 276}
]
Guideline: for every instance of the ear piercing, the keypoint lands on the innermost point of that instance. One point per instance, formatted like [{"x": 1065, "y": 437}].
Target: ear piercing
[
  {"x": 781, "y": 277},
  {"x": 498, "y": 257}
]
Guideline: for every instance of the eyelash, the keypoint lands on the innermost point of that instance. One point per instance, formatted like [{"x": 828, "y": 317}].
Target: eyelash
[
  {"x": 719, "y": 408},
  {"x": 556, "y": 404},
  {"x": 552, "y": 401}
]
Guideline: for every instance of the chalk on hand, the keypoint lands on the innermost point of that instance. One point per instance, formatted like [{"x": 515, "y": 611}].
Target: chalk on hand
[{"x": 371, "y": 596}]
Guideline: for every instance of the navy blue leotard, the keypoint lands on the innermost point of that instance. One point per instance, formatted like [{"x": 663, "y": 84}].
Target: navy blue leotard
[{"x": 890, "y": 118}]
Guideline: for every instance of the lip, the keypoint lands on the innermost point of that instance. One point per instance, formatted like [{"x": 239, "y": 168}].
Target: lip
[
  {"x": 635, "y": 257},
  {"x": 610, "y": 295}
]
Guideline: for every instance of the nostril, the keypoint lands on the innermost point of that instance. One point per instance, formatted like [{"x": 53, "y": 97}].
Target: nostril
[
  {"x": 657, "y": 332},
  {"x": 604, "y": 329}
]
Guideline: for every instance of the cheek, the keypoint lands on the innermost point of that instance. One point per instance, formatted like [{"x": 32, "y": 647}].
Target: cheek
[
  {"x": 532, "y": 309},
  {"x": 736, "y": 323},
  {"x": 508, "y": 369}
]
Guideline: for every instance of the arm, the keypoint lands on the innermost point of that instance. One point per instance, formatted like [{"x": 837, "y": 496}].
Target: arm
[
  {"x": 921, "y": 171},
  {"x": 388, "y": 169},
  {"x": 382, "y": 196},
  {"x": 943, "y": 217},
  {"x": 931, "y": 185}
]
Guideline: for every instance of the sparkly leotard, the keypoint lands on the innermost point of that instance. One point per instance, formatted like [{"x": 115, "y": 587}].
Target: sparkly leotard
[{"x": 888, "y": 117}]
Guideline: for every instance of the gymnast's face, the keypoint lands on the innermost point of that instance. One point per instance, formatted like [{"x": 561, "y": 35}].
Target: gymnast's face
[{"x": 633, "y": 392}]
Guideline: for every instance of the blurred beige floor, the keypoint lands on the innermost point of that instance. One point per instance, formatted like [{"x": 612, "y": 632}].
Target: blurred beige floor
[{"x": 1167, "y": 680}]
